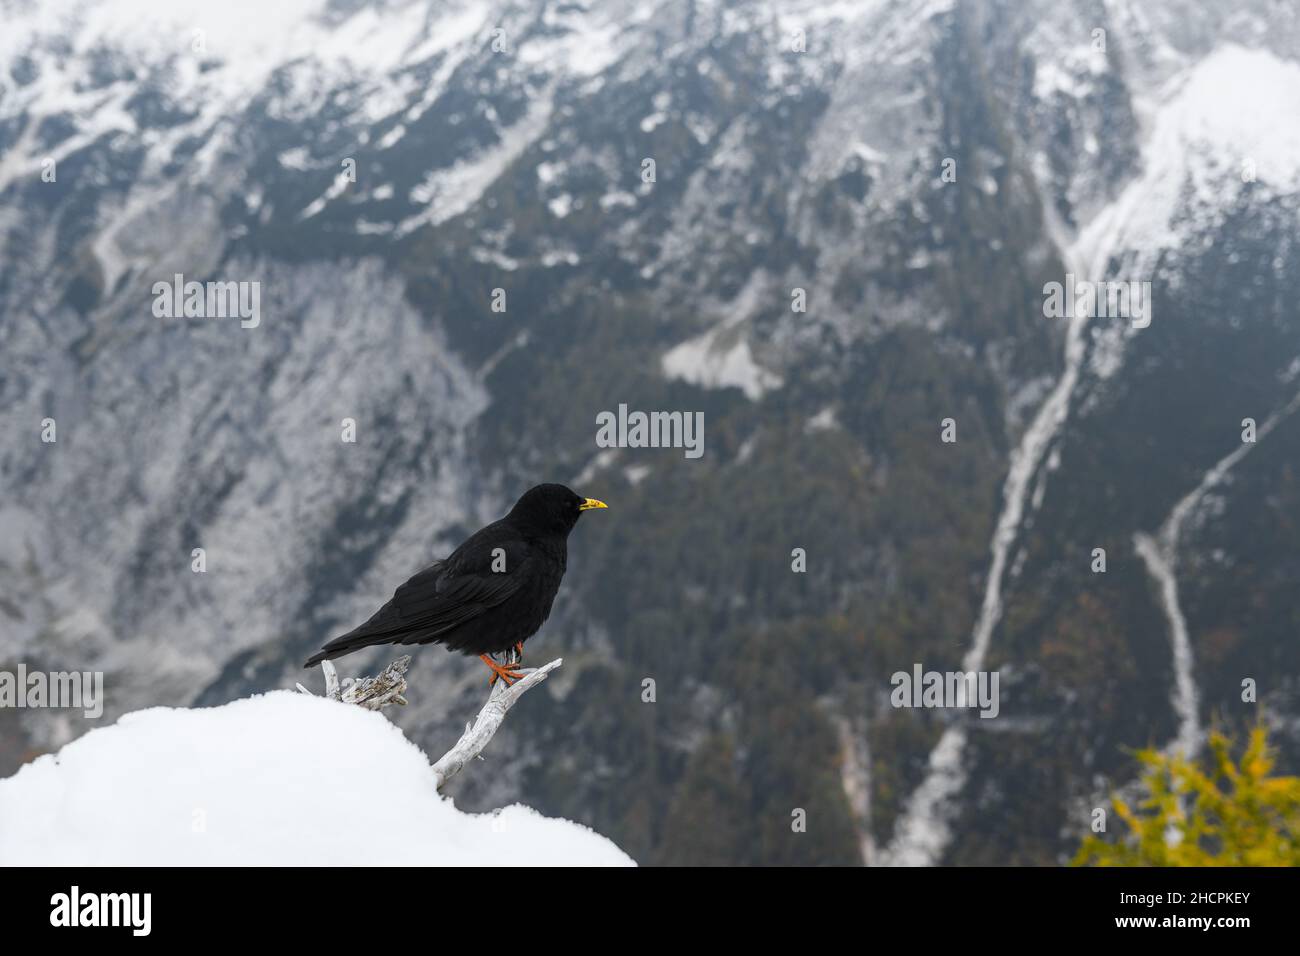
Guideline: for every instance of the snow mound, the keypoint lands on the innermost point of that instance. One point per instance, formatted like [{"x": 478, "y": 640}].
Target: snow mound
[{"x": 278, "y": 779}]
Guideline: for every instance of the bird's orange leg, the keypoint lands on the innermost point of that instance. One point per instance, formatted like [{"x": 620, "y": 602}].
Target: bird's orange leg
[
  {"x": 519, "y": 653},
  {"x": 507, "y": 672}
]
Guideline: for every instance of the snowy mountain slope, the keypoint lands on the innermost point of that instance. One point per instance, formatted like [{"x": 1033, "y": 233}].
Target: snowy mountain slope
[
  {"x": 1206, "y": 130},
  {"x": 521, "y": 168}
]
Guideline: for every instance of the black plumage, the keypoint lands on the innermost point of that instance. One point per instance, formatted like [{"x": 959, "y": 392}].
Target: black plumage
[{"x": 489, "y": 595}]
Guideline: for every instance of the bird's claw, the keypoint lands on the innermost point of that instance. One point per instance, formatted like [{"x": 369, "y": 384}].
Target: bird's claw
[{"x": 507, "y": 672}]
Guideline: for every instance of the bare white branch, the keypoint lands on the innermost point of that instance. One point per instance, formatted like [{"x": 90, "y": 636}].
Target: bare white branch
[
  {"x": 389, "y": 685},
  {"x": 331, "y": 680},
  {"x": 372, "y": 693},
  {"x": 385, "y": 688},
  {"x": 477, "y": 734}
]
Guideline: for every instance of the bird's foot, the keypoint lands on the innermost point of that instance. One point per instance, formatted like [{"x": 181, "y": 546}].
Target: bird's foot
[
  {"x": 519, "y": 654},
  {"x": 507, "y": 672}
]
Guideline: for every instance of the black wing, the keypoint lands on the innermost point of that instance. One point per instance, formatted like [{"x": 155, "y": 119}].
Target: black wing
[{"x": 482, "y": 573}]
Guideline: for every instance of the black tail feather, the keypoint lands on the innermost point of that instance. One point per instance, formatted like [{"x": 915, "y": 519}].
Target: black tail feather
[
  {"x": 318, "y": 657},
  {"x": 346, "y": 644}
]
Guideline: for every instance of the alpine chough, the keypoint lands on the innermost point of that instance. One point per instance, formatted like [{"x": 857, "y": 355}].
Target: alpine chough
[{"x": 489, "y": 595}]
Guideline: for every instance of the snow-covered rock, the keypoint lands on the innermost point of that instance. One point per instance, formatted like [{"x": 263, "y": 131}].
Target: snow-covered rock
[{"x": 281, "y": 778}]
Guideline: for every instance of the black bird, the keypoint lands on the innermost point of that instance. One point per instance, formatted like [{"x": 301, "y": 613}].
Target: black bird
[{"x": 490, "y": 595}]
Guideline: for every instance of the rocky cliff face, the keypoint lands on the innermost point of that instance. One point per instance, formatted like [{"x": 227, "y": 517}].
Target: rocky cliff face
[{"x": 913, "y": 174}]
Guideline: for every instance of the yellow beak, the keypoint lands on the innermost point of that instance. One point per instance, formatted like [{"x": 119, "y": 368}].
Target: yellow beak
[{"x": 591, "y": 503}]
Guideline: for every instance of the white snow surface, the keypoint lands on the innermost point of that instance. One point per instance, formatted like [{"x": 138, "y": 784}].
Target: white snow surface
[
  {"x": 282, "y": 778},
  {"x": 721, "y": 356},
  {"x": 701, "y": 361},
  {"x": 1235, "y": 107}
]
